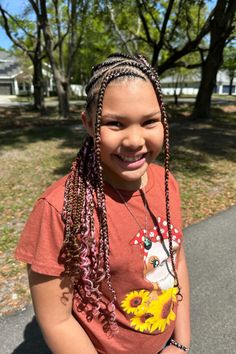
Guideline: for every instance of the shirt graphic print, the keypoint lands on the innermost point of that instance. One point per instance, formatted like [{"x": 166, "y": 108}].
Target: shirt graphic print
[{"x": 152, "y": 311}]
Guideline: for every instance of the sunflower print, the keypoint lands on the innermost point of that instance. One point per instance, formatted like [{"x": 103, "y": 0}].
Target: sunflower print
[
  {"x": 140, "y": 323},
  {"x": 148, "y": 314},
  {"x": 135, "y": 302},
  {"x": 162, "y": 310}
]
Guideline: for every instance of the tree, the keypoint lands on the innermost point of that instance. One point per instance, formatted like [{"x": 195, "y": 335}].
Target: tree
[
  {"x": 222, "y": 26},
  {"x": 99, "y": 40},
  {"x": 168, "y": 32},
  {"x": 229, "y": 65},
  {"x": 59, "y": 22},
  {"x": 174, "y": 29},
  {"x": 30, "y": 42}
]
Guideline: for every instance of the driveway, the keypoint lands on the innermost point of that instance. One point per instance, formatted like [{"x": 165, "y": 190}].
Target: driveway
[
  {"x": 11, "y": 101},
  {"x": 211, "y": 253}
]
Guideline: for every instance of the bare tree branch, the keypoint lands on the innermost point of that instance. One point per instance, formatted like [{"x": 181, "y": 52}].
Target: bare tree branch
[
  {"x": 176, "y": 23},
  {"x": 144, "y": 3},
  {"x": 165, "y": 22},
  {"x": 120, "y": 34},
  {"x": 159, "y": 45},
  {"x": 182, "y": 64},
  {"x": 9, "y": 34},
  {"x": 59, "y": 34},
  {"x": 189, "y": 46},
  {"x": 144, "y": 22},
  {"x": 189, "y": 22}
]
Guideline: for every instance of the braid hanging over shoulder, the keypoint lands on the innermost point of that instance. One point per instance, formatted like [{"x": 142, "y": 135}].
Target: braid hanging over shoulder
[{"x": 84, "y": 259}]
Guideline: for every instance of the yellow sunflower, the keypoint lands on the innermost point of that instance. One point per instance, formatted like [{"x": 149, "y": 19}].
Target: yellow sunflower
[
  {"x": 135, "y": 302},
  {"x": 140, "y": 323},
  {"x": 162, "y": 310}
]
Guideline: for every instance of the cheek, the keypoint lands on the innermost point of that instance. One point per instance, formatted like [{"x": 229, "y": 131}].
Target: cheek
[
  {"x": 108, "y": 140},
  {"x": 157, "y": 139}
]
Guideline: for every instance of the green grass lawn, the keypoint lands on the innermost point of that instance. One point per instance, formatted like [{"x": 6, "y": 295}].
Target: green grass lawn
[{"x": 35, "y": 152}]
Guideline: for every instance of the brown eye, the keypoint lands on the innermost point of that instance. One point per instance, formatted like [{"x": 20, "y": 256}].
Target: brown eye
[
  {"x": 150, "y": 122},
  {"x": 113, "y": 124}
]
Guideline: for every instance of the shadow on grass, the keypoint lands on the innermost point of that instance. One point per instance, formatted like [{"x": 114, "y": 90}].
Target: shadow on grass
[
  {"x": 216, "y": 139},
  {"x": 20, "y": 138},
  {"x": 192, "y": 144}
]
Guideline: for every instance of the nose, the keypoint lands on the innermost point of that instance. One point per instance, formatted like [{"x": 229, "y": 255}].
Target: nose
[{"x": 134, "y": 138}]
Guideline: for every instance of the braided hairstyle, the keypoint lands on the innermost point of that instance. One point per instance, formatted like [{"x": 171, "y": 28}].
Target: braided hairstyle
[{"x": 84, "y": 259}]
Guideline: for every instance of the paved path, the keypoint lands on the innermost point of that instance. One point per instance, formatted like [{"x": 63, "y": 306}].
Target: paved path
[
  {"x": 211, "y": 253},
  {"x": 12, "y": 101}
]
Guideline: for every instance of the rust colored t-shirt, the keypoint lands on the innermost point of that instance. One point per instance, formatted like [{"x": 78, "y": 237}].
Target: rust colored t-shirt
[{"x": 141, "y": 269}]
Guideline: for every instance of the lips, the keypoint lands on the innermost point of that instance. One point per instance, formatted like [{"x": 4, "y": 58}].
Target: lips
[
  {"x": 128, "y": 162},
  {"x": 131, "y": 158}
]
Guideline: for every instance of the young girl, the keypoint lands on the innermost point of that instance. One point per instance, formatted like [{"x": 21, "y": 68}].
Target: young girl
[{"x": 104, "y": 248}]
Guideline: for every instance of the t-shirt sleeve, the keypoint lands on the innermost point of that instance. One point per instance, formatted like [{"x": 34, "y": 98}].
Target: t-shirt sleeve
[{"x": 42, "y": 239}]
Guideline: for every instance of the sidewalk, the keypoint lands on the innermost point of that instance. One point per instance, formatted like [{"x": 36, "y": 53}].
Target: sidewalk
[{"x": 211, "y": 253}]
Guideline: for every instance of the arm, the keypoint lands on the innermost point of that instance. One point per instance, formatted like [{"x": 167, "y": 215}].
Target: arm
[
  {"x": 52, "y": 300},
  {"x": 182, "y": 327}
]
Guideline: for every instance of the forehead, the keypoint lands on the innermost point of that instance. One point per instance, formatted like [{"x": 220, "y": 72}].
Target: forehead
[{"x": 136, "y": 95}]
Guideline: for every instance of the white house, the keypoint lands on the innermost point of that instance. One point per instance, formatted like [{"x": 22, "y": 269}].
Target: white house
[
  {"x": 16, "y": 81},
  {"x": 9, "y": 70},
  {"x": 189, "y": 84}
]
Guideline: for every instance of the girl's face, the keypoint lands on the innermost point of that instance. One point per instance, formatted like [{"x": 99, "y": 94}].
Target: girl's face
[{"x": 131, "y": 132}]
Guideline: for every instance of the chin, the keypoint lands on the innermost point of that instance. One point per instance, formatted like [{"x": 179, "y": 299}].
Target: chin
[{"x": 119, "y": 176}]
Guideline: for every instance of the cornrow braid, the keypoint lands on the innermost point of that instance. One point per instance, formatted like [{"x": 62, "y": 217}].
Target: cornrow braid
[
  {"x": 110, "y": 64},
  {"x": 149, "y": 72},
  {"x": 85, "y": 259}
]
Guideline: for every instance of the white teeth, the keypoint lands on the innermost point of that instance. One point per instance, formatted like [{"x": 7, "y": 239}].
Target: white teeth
[{"x": 131, "y": 159}]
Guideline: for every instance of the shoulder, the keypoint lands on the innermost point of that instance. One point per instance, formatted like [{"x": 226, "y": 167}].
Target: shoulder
[
  {"x": 54, "y": 194},
  {"x": 158, "y": 172}
]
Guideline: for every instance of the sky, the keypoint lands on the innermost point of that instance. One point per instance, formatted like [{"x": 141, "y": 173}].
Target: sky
[{"x": 14, "y": 7}]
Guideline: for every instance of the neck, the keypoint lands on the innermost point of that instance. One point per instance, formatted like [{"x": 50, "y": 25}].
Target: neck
[{"x": 128, "y": 186}]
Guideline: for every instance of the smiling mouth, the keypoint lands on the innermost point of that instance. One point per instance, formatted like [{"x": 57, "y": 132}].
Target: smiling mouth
[{"x": 131, "y": 158}]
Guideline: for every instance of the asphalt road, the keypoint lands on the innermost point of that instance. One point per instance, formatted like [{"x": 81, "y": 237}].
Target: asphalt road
[{"x": 211, "y": 253}]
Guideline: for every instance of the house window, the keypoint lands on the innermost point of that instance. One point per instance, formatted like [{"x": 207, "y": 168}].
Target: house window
[
  {"x": 225, "y": 88},
  {"x": 20, "y": 86}
]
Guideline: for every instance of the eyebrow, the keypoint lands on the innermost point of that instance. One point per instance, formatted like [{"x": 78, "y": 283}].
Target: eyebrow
[{"x": 116, "y": 116}]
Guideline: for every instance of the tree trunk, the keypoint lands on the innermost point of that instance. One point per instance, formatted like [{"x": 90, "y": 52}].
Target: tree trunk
[
  {"x": 155, "y": 56},
  {"x": 221, "y": 28},
  {"x": 38, "y": 86},
  {"x": 209, "y": 71},
  {"x": 62, "y": 88},
  {"x": 231, "y": 86},
  {"x": 61, "y": 81},
  {"x": 63, "y": 97}
]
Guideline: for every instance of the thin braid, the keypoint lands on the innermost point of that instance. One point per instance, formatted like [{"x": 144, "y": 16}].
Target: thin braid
[
  {"x": 105, "y": 241},
  {"x": 157, "y": 87}
]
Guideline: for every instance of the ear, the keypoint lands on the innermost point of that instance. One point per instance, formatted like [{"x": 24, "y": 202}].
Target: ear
[{"x": 87, "y": 123}]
